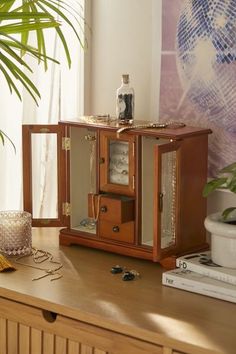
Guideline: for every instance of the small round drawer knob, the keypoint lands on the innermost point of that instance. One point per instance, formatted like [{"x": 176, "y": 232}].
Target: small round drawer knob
[
  {"x": 103, "y": 209},
  {"x": 115, "y": 229}
]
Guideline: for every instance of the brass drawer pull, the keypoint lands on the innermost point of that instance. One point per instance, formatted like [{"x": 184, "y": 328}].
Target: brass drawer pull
[
  {"x": 103, "y": 209},
  {"x": 115, "y": 229}
]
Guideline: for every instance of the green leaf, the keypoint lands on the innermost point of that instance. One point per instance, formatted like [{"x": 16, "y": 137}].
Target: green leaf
[
  {"x": 24, "y": 16},
  {"x": 27, "y": 16},
  {"x": 67, "y": 52},
  {"x": 14, "y": 55},
  {"x": 10, "y": 82},
  {"x": 21, "y": 27},
  {"x": 232, "y": 184},
  {"x": 21, "y": 76},
  {"x": 40, "y": 37},
  {"x": 229, "y": 168},
  {"x": 3, "y": 136},
  {"x": 213, "y": 185},
  {"x": 18, "y": 45},
  {"x": 24, "y": 35},
  {"x": 227, "y": 211},
  {"x": 63, "y": 16},
  {"x": 6, "y": 7}
]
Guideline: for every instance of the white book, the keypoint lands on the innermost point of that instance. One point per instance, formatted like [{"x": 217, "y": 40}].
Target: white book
[
  {"x": 200, "y": 284},
  {"x": 201, "y": 263}
]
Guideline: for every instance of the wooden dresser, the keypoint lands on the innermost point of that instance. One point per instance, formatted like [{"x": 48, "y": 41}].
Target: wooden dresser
[{"x": 91, "y": 311}]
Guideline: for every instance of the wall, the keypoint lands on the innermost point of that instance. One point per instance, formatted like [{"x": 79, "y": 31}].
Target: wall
[{"x": 125, "y": 37}]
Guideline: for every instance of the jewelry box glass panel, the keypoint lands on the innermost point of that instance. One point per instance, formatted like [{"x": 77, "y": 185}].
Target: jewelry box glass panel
[
  {"x": 119, "y": 162},
  {"x": 168, "y": 189},
  {"x": 44, "y": 170}
]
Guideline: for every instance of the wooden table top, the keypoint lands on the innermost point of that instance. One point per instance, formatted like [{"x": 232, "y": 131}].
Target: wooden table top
[{"x": 142, "y": 308}]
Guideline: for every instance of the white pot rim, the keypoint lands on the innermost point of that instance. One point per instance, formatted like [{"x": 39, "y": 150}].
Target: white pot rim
[{"x": 214, "y": 224}]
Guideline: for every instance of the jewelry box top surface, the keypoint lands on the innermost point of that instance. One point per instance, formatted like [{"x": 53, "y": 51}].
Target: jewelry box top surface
[{"x": 171, "y": 129}]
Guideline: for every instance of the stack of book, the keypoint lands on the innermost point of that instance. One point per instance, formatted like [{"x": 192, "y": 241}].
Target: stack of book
[{"x": 197, "y": 273}]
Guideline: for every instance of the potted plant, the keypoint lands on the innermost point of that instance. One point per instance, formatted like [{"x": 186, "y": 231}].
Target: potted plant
[
  {"x": 17, "y": 20},
  {"x": 222, "y": 225}
]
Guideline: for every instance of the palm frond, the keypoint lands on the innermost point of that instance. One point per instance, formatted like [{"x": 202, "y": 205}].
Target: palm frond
[
  {"x": 4, "y": 136},
  {"x": 15, "y": 71},
  {"x": 38, "y": 16},
  {"x": 10, "y": 82},
  {"x": 18, "y": 45},
  {"x": 9, "y": 16}
]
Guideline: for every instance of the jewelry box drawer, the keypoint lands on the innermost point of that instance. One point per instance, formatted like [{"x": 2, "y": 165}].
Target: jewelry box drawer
[
  {"x": 118, "y": 232},
  {"x": 112, "y": 208}
]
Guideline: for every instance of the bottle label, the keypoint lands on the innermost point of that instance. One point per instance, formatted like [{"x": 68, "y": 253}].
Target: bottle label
[{"x": 125, "y": 106}]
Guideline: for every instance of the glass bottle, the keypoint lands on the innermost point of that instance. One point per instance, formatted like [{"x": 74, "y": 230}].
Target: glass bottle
[{"x": 125, "y": 101}]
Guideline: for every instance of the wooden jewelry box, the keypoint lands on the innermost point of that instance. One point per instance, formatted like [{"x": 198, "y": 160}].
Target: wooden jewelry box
[{"x": 137, "y": 192}]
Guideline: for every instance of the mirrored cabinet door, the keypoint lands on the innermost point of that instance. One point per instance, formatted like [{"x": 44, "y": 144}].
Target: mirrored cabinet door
[{"x": 117, "y": 163}]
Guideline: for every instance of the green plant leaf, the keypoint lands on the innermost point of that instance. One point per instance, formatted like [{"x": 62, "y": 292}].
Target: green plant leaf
[
  {"x": 63, "y": 16},
  {"x": 213, "y": 185},
  {"x": 40, "y": 34},
  {"x": 32, "y": 15},
  {"x": 28, "y": 16},
  {"x": 24, "y": 16},
  {"x": 67, "y": 52},
  {"x": 229, "y": 168},
  {"x": 20, "y": 27},
  {"x": 227, "y": 211},
  {"x": 3, "y": 136},
  {"x": 10, "y": 82},
  {"x": 232, "y": 184},
  {"x": 30, "y": 50},
  {"x": 6, "y": 5},
  {"x": 6, "y": 45},
  {"x": 14, "y": 55},
  {"x": 21, "y": 76}
]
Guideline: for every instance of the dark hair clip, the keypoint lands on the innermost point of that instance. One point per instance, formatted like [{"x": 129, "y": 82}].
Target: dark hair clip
[
  {"x": 130, "y": 275},
  {"x": 117, "y": 269}
]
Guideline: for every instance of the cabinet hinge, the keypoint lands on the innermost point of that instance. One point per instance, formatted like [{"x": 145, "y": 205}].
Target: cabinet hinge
[
  {"x": 65, "y": 143},
  {"x": 44, "y": 130},
  {"x": 66, "y": 209},
  {"x": 133, "y": 182}
]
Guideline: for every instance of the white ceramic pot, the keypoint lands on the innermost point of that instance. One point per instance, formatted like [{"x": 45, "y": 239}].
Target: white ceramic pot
[{"x": 223, "y": 241}]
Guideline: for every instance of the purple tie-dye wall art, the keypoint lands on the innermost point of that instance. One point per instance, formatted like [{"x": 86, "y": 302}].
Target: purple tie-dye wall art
[{"x": 198, "y": 71}]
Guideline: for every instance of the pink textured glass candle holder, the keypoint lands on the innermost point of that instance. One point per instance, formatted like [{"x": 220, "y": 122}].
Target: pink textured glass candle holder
[{"x": 15, "y": 232}]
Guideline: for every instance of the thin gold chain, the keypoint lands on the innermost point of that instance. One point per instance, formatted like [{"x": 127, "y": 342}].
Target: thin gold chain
[
  {"x": 96, "y": 215},
  {"x": 40, "y": 256},
  {"x": 170, "y": 124}
]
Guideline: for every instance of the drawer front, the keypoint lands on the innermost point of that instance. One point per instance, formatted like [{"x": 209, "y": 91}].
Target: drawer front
[
  {"x": 118, "y": 232},
  {"x": 116, "y": 209},
  {"x": 30, "y": 330}
]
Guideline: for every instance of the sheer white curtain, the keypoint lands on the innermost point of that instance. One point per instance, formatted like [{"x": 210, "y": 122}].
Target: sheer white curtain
[{"x": 61, "y": 98}]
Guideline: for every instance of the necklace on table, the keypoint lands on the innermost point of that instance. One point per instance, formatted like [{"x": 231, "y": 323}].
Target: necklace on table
[
  {"x": 170, "y": 124},
  {"x": 39, "y": 257}
]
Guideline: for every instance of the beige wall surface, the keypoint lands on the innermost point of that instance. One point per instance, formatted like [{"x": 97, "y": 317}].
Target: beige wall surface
[{"x": 125, "y": 39}]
